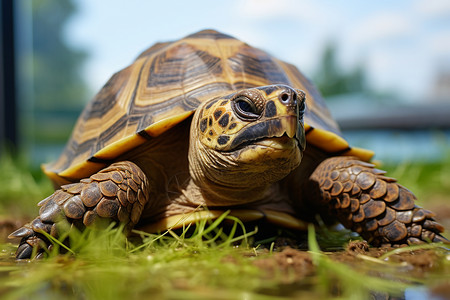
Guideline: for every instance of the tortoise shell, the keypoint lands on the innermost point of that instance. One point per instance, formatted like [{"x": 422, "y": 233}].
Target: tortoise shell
[{"x": 166, "y": 84}]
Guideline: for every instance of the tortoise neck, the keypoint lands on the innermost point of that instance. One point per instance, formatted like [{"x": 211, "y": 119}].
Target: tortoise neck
[
  {"x": 218, "y": 191},
  {"x": 220, "y": 182},
  {"x": 220, "y": 195}
]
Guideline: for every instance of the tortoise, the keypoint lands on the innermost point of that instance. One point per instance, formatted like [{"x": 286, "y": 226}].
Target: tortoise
[{"x": 209, "y": 123}]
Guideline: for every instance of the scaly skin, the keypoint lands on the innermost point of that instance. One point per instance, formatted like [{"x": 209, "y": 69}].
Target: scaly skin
[
  {"x": 377, "y": 207},
  {"x": 118, "y": 192},
  {"x": 241, "y": 149}
]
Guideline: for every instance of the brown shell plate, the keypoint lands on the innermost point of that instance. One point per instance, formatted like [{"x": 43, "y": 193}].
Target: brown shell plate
[{"x": 165, "y": 85}]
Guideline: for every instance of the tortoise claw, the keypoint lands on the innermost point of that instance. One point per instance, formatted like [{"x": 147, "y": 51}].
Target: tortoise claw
[
  {"x": 24, "y": 251},
  {"x": 440, "y": 239},
  {"x": 32, "y": 238},
  {"x": 414, "y": 241},
  {"x": 377, "y": 207},
  {"x": 21, "y": 232},
  {"x": 433, "y": 226},
  {"x": 118, "y": 192},
  {"x": 28, "y": 243}
]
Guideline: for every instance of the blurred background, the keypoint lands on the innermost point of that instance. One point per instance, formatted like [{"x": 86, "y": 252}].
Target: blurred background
[{"x": 383, "y": 66}]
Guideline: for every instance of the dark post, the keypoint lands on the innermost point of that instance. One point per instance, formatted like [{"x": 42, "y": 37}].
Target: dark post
[{"x": 8, "y": 108}]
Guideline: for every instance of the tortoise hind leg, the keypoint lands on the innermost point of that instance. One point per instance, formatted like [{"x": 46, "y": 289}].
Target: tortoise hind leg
[
  {"x": 118, "y": 193},
  {"x": 377, "y": 207}
]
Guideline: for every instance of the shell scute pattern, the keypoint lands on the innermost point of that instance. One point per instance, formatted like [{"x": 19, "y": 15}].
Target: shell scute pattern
[{"x": 163, "y": 86}]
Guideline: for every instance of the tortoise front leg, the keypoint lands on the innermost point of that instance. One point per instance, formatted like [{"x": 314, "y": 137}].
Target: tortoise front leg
[
  {"x": 118, "y": 192},
  {"x": 377, "y": 207}
]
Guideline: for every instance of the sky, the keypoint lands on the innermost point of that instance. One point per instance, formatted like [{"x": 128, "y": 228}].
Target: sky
[{"x": 402, "y": 44}]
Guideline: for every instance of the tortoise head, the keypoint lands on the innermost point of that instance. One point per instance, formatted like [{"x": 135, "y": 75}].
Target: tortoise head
[{"x": 249, "y": 138}]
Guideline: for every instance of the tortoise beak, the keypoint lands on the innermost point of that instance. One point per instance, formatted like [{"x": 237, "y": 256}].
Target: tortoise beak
[
  {"x": 290, "y": 125},
  {"x": 294, "y": 128}
]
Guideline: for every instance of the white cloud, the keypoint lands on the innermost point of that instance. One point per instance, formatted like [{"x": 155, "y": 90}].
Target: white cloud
[
  {"x": 440, "y": 43},
  {"x": 383, "y": 26},
  {"x": 299, "y": 10},
  {"x": 406, "y": 72},
  {"x": 432, "y": 8},
  {"x": 388, "y": 38},
  {"x": 262, "y": 9}
]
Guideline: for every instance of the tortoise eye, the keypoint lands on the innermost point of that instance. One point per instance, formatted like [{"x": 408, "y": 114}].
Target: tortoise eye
[{"x": 245, "y": 108}]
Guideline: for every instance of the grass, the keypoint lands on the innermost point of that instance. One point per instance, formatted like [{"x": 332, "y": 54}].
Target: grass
[
  {"x": 19, "y": 189},
  {"x": 205, "y": 265},
  {"x": 428, "y": 181},
  {"x": 205, "y": 261},
  {"x": 106, "y": 265},
  {"x": 353, "y": 283}
]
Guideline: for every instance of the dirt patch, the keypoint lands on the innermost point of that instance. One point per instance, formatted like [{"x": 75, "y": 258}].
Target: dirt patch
[
  {"x": 357, "y": 247},
  {"x": 421, "y": 260},
  {"x": 441, "y": 291},
  {"x": 288, "y": 265}
]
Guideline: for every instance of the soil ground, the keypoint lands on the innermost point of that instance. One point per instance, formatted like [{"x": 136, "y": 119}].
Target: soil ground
[{"x": 292, "y": 267}]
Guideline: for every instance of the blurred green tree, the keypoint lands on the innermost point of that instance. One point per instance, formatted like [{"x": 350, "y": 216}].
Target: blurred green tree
[
  {"x": 58, "y": 83},
  {"x": 331, "y": 79},
  {"x": 59, "y": 90}
]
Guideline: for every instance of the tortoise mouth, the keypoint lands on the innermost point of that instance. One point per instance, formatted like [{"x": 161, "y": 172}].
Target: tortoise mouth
[
  {"x": 279, "y": 130},
  {"x": 280, "y": 142}
]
